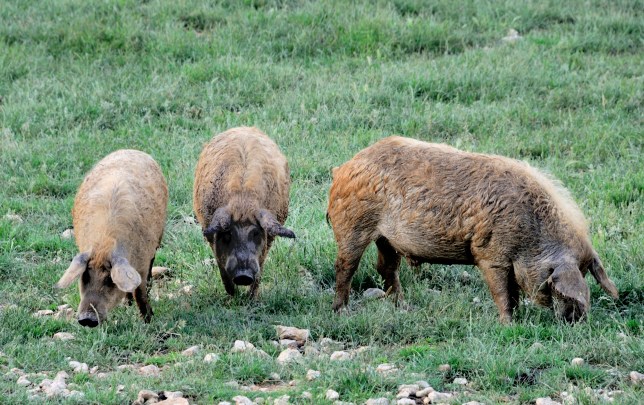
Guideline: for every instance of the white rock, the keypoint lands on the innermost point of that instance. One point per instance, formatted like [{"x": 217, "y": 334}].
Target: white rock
[
  {"x": 445, "y": 368},
  {"x": 512, "y": 36},
  {"x": 102, "y": 375},
  {"x": 460, "y": 381},
  {"x": 377, "y": 401},
  {"x": 412, "y": 388},
  {"x": 283, "y": 400},
  {"x": 536, "y": 346},
  {"x": 15, "y": 218},
  {"x": 289, "y": 332},
  {"x": 331, "y": 395},
  {"x": 186, "y": 289},
  {"x": 406, "y": 401},
  {"x": 93, "y": 370},
  {"x": 120, "y": 388},
  {"x": 123, "y": 367},
  {"x": 64, "y": 336},
  {"x": 577, "y": 361},
  {"x": 340, "y": 356},
  {"x": 259, "y": 400},
  {"x": 147, "y": 395},
  {"x": 224, "y": 403},
  {"x": 546, "y": 401},
  {"x": 274, "y": 377},
  {"x": 23, "y": 381},
  {"x": 386, "y": 368},
  {"x": 636, "y": 377},
  {"x": 307, "y": 395},
  {"x": 289, "y": 355},
  {"x": 476, "y": 300},
  {"x": 424, "y": 392},
  {"x": 173, "y": 394},
  {"x": 436, "y": 396},
  {"x": 373, "y": 293},
  {"x": 211, "y": 358},
  {"x": 174, "y": 401},
  {"x": 404, "y": 394},
  {"x": 242, "y": 400},
  {"x": 158, "y": 272},
  {"x": 422, "y": 384},
  {"x": 79, "y": 367},
  {"x": 473, "y": 403},
  {"x": 191, "y": 351},
  {"x": 242, "y": 346},
  {"x": 67, "y": 234},
  {"x": 43, "y": 312},
  {"x": 149, "y": 371},
  {"x": 293, "y": 344},
  {"x": 312, "y": 375}
]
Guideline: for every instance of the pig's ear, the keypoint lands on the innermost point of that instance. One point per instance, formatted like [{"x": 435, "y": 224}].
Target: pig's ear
[
  {"x": 220, "y": 222},
  {"x": 597, "y": 270},
  {"x": 272, "y": 226},
  {"x": 123, "y": 275},
  {"x": 75, "y": 269},
  {"x": 568, "y": 281}
]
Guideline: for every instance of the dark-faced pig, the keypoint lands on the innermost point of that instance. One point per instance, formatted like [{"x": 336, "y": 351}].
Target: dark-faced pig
[
  {"x": 119, "y": 214},
  {"x": 436, "y": 204},
  {"x": 241, "y": 196}
]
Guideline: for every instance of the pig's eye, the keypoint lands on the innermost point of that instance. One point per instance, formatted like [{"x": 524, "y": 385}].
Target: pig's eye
[
  {"x": 224, "y": 237},
  {"x": 254, "y": 234}
]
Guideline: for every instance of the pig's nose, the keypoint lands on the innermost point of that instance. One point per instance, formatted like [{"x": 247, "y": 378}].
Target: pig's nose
[
  {"x": 88, "y": 318},
  {"x": 243, "y": 277}
]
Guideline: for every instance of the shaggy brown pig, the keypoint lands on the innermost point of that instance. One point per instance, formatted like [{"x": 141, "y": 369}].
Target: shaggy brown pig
[
  {"x": 241, "y": 196},
  {"x": 436, "y": 204},
  {"x": 119, "y": 214}
]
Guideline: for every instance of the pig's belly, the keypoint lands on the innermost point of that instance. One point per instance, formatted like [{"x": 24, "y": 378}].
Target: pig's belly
[{"x": 425, "y": 247}]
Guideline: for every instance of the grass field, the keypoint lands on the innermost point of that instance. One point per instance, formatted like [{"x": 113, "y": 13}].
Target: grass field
[{"x": 79, "y": 79}]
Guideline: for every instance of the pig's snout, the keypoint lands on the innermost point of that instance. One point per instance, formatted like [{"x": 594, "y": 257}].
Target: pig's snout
[
  {"x": 88, "y": 318},
  {"x": 244, "y": 277}
]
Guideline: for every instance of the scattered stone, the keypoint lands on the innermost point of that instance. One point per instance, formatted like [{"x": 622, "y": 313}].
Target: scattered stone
[
  {"x": 340, "y": 356},
  {"x": 536, "y": 346},
  {"x": 79, "y": 367},
  {"x": 120, "y": 388},
  {"x": 150, "y": 371},
  {"x": 64, "y": 336},
  {"x": 67, "y": 234},
  {"x": 436, "y": 396},
  {"x": 290, "y": 343},
  {"x": 512, "y": 36},
  {"x": 460, "y": 381},
  {"x": 158, "y": 272},
  {"x": 56, "y": 387},
  {"x": 43, "y": 312},
  {"x": 422, "y": 384},
  {"x": 406, "y": 401},
  {"x": 123, "y": 367},
  {"x": 289, "y": 332},
  {"x": 331, "y": 395},
  {"x": 64, "y": 313},
  {"x": 622, "y": 335},
  {"x": 411, "y": 388},
  {"x": 186, "y": 289},
  {"x": 473, "y": 403},
  {"x": 174, "y": 401},
  {"x": 577, "y": 361},
  {"x": 377, "y": 401},
  {"x": 307, "y": 395},
  {"x": 636, "y": 378},
  {"x": 146, "y": 396},
  {"x": 23, "y": 381},
  {"x": 445, "y": 368},
  {"x": 102, "y": 375},
  {"x": 312, "y": 375},
  {"x": 373, "y": 293},
  {"x": 424, "y": 392},
  {"x": 386, "y": 368},
  {"x": 546, "y": 401},
  {"x": 224, "y": 403},
  {"x": 476, "y": 300},
  {"x": 15, "y": 218},
  {"x": 259, "y": 400},
  {"x": 191, "y": 351},
  {"x": 173, "y": 394},
  {"x": 242, "y": 400},
  {"x": 211, "y": 358},
  {"x": 311, "y": 351},
  {"x": 274, "y": 377},
  {"x": 289, "y": 355},
  {"x": 361, "y": 349},
  {"x": 242, "y": 346},
  {"x": 283, "y": 400}
]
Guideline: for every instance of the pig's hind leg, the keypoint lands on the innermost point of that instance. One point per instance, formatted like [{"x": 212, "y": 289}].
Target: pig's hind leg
[{"x": 387, "y": 266}]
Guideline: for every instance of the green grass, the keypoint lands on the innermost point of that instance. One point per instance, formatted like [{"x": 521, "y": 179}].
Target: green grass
[{"x": 79, "y": 79}]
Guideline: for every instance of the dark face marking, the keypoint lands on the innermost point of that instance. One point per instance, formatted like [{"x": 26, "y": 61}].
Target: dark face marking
[
  {"x": 99, "y": 294},
  {"x": 238, "y": 250}
]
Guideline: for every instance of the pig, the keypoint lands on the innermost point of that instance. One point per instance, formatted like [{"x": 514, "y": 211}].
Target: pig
[
  {"x": 119, "y": 215},
  {"x": 241, "y": 199},
  {"x": 432, "y": 203}
]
